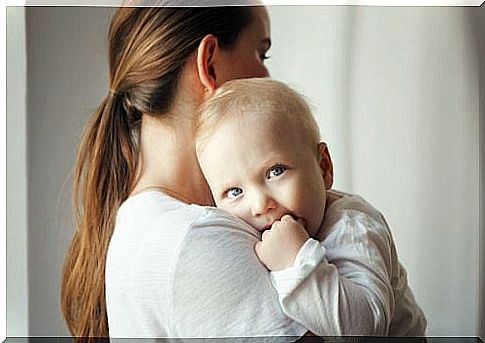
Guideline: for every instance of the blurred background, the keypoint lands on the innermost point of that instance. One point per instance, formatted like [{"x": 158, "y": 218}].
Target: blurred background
[{"x": 395, "y": 90}]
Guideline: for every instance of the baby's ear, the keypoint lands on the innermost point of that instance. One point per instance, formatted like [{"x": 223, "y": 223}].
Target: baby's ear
[{"x": 326, "y": 165}]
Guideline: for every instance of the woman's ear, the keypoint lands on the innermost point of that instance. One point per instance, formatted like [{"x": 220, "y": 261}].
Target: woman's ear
[
  {"x": 206, "y": 60},
  {"x": 326, "y": 165}
]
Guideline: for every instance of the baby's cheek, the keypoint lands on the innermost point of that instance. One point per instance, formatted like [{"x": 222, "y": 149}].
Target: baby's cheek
[
  {"x": 317, "y": 209},
  {"x": 223, "y": 206},
  {"x": 219, "y": 203}
]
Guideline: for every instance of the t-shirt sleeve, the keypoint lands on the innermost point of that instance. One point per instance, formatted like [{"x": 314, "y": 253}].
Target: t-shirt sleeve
[
  {"x": 342, "y": 286},
  {"x": 218, "y": 287}
]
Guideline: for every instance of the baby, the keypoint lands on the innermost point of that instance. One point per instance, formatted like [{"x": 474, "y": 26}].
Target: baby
[{"x": 332, "y": 258}]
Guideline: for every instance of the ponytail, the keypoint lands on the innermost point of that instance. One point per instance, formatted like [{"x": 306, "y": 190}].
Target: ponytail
[
  {"x": 104, "y": 174},
  {"x": 148, "y": 47}
]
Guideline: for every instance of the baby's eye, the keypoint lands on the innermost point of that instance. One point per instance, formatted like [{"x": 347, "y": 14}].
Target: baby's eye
[
  {"x": 276, "y": 170},
  {"x": 234, "y": 192}
]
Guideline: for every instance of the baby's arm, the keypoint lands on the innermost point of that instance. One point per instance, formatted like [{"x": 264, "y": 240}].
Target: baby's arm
[{"x": 338, "y": 287}]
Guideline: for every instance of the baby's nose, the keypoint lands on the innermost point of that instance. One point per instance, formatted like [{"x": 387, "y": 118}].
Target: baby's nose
[{"x": 262, "y": 203}]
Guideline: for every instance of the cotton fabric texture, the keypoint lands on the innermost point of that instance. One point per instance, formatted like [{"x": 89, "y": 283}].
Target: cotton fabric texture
[
  {"x": 179, "y": 270},
  {"x": 350, "y": 281},
  {"x": 170, "y": 267}
]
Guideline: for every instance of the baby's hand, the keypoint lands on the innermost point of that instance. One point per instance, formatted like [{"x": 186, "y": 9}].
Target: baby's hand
[{"x": 279, "y": 246}]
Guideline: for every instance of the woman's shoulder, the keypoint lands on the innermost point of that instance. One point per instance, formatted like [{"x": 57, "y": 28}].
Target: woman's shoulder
[
  {"x": 217, "y": 220},
  {"x": 195, "y": 257},
  {"x": 155, "y": 202},
  {"x": 216, "y": 269},
  {"x": 157, "y": 212}
]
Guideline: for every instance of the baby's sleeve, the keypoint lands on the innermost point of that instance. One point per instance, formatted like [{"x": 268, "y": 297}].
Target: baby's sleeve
[
  {"x": 218, "y": 287},
  {"x": 341, "y": 286}
]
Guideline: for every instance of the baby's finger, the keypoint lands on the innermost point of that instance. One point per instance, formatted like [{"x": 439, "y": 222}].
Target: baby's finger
[
  {"x": 265, "y": 235},
  {"x": 287, "y": 218}
]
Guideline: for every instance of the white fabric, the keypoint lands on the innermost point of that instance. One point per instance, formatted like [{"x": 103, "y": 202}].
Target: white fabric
[
  {"x": 178, "y": 270},
  {"x": 351, "y": 283}
]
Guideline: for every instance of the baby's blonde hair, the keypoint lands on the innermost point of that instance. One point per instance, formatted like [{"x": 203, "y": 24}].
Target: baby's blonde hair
[{"x": 265, "y": 96}]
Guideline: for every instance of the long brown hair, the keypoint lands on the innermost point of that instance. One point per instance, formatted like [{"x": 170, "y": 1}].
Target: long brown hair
[{"x": 147, "y": 49}]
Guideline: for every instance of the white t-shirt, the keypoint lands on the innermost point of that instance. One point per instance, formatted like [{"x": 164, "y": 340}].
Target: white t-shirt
[
  {"x": 351, "y": 282},
  {"x": 178, "y": 270}
]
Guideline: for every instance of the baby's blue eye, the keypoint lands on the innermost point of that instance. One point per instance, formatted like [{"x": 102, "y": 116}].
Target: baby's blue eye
[
  {"x": 275, "y": 171},
  {"x": 234, "y": 192}
]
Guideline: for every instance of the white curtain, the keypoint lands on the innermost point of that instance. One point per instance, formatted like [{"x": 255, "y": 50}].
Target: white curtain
[{"x": 396, "y": 93}]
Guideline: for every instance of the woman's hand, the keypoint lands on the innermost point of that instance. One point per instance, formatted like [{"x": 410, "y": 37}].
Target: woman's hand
[{"x": 279, "y": 246}]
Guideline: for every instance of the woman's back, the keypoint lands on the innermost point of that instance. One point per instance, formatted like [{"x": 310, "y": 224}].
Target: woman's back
[
  {"x": 149, "y": 227},
  {"x": 176, "y": 270}
]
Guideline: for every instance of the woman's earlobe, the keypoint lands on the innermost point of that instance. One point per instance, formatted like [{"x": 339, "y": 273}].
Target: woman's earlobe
[
  {"x": 326, "y": 165},
  {"x": 206, "y": 60}
]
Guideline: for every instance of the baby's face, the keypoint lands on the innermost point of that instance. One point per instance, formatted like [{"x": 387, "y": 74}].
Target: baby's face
[{"x": 259, "y": 170}]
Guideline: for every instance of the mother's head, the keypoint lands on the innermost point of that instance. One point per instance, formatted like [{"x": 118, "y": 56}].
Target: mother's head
[
  {"x": 158, "y": 58},
  {"x": 149, "y": 48}
]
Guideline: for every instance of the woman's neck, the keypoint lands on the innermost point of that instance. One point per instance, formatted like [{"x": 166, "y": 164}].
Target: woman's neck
[
  {"x": 168, "y": 161},
  {"x": 167, "y": 146}
]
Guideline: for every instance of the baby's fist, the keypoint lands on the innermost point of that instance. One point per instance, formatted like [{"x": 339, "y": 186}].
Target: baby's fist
[{"x": 279, "y": 246}]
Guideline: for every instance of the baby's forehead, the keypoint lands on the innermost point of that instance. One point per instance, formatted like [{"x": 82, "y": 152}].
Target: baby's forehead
[
  {"x": 264, "y": 119},
  {"x": 269, "y": 120},
  {"x": 270, "y": 128},
  {"x": 293, "y": 126}
]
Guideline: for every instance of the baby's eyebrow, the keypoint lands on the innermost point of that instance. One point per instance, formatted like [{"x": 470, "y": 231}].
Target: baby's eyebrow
[{"x": 274, "y": 158}]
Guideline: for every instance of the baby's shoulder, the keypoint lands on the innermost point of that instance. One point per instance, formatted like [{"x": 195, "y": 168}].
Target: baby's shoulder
[
  {"x": 351, "y": 214},
  {"x": 353, "y": 205}
]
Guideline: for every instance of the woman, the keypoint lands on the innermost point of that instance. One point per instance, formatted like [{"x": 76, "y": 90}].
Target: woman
[{"x": 167, "y": 266}]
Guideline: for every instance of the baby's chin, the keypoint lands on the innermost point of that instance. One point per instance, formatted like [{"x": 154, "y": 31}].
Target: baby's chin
[{"x": 258, "y": 227}]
